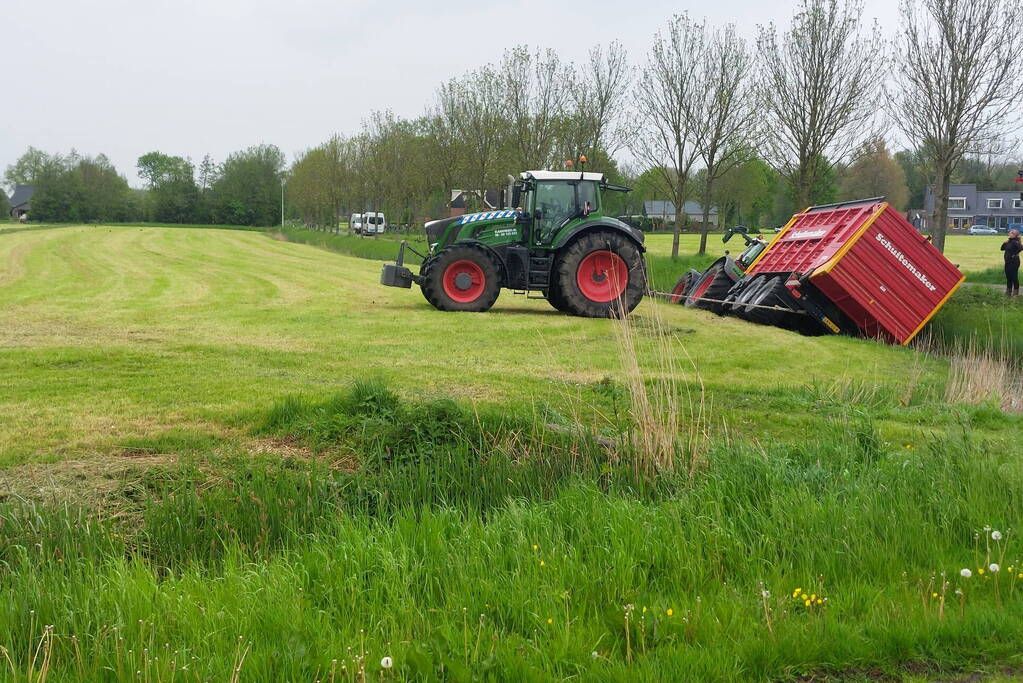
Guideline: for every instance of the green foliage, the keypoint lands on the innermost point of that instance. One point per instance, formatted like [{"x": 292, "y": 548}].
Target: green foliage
[
  {"x": 981, "y": 317},
  {"x": 173, "y": 194},
  {"x": 79, "y": 189},
  {"x": 248, "y": 188}
]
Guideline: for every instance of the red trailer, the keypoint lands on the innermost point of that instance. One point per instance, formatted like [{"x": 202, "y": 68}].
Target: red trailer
[{"x": 858, "y": 267}]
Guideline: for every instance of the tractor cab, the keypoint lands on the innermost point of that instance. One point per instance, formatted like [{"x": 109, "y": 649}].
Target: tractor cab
[{"x": 549, "y": 200}]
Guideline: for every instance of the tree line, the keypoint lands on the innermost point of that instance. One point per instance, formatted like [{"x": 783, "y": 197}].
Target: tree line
[
  {"x": 244, "y": 189},
  {"x": 756, "y": 128}
]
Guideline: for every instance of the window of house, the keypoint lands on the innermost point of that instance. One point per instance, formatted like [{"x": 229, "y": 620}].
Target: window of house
[
  {"x": 994, "y": 203},
  {"x": 1017, "y": 203},
  {"x": 957, "y": 203}
]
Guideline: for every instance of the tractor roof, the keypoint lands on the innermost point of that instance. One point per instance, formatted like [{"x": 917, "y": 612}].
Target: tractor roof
[{"x": 562, "y": 175}]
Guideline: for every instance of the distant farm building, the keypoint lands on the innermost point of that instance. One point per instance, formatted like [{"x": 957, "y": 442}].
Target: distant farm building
[{"x": 21, "y": 200}]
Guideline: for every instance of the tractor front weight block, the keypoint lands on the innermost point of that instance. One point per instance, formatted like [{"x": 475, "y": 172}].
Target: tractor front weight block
[{"x": 396, "y": 274}]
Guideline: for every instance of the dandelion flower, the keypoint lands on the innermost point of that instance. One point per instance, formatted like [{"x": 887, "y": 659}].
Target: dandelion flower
[
  {"x": 934, "y": 595},
  {"x": 796, "y": 592},
  {"x": 670, "y": 611},
  {"x": 994, "y": 567},
  {"x": 804, "y": 596},
  {"x": 819, "y": 601},
  {"x": 644, "y": 609},
  {"x": 813, "y": 597},
  {"x": 965, "y": 573},
  {"x": 387, "y": 662},
  {"x": 807, "y": 603},
  {"x": 980, "y": 570},
  {"x": 542, "y": 563},
  {"x": 1019, "y": 576},
  {"x": 535, "y": 547},
  {"x": 996, "y": 535},
  {"x": 549, "y": 620}
]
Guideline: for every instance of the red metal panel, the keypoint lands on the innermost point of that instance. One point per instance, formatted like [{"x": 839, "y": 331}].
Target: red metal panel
[
  {"x": 813, "y": 237},
  {"x": 870, "y": 262},
  {"x": 891, "y": 280}
]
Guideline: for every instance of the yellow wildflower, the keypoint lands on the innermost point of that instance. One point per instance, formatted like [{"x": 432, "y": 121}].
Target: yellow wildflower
[
  {"x": 980, "y": 571},
  {"x": 796, "y": 592},
  {"x": 813, "y": 597},
  {"x": 934, "y": 595},
  {"x": 819, "y": 601},
  {"x": 535, "y": 547},
  {"x": 542, "y": 563},
  {"x": 670, "y": 611},
  {"x": 807, "y": 603},
  {"x": 804, "y": 596},
  {"x": 644, "y": 609},
  {"x": 549, "y": 620}
]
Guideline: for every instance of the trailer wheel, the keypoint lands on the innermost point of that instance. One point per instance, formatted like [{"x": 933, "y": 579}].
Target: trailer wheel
[
  {"x": 600, "y": 275},
  {"x": 710, "y": 291},
  {"x": 462, "y": 277},
  {"x": 772, "y": 293}
]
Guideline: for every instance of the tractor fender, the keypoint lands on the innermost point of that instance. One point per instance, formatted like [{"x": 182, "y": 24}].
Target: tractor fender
[
  {"x": 494, "y": 253},
  {"x": 601, "y": 224}
]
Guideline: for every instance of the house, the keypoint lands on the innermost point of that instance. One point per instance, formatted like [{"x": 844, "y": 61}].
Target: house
[
  {"x": 969, "y": 206},
  {"x": 665, "y": 210},
  {"x": 462, "y": 200},
  {"x": 21, "y": 200}
]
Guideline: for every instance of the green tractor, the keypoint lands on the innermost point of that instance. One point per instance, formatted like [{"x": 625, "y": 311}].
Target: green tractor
[{"x": 553, "y": 242}]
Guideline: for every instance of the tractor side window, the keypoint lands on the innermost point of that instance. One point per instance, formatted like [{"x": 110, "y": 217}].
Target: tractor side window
[{"x": 588, "y": 197}]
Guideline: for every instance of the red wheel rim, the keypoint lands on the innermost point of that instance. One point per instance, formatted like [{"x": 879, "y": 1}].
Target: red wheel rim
[
  {"x": 464, "y": 281},
  {"x": 602, "y": 276},
  {"x": 676, "y": 294}
]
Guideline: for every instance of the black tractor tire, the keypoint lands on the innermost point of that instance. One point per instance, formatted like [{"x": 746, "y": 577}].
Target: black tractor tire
[
  {"x": 710, "y": 291},
  {"x": 462, "y": 277},
  {"x": 747, "y": 295},
  {"x": 772, "y": 293},
  {"x": 555, "y": 298},
  {"x": 586, "y": 287},
  {"x": 684, "y": 285}
]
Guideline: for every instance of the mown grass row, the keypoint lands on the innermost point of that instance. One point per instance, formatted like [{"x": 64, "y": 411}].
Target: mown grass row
[{"x": 467, "y": 545}]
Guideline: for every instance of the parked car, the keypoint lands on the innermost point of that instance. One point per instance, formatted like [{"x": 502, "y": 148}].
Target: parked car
[
  {"x": 374, "y": 223},
  {"x": 982, "y": 230},
  {"x": 355, "y": 223},
  {"x": 1015, "y": 226}
]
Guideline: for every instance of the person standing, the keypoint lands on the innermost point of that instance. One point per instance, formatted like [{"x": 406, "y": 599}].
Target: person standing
[{"x": 1012, "y": 249}]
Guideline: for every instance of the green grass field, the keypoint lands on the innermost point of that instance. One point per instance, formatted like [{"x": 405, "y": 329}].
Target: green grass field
[{"x": 228, "y": 450}]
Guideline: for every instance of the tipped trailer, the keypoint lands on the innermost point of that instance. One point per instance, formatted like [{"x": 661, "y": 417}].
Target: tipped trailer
[{"x": 857, "y": 268}]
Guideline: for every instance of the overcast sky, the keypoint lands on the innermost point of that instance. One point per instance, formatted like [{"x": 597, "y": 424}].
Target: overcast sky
[{"x": 191, "y": 77}]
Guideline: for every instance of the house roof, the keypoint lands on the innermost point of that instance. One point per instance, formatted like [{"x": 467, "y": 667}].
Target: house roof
[
  {"x": 458, "y": 198},
  {"x": 22, "y": 195}
]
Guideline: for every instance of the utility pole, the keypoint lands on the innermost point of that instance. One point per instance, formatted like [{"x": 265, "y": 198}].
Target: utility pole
[{"x": 282, "y": 202}]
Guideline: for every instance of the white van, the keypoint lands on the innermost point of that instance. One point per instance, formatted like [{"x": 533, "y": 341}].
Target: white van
[
  {"x": 355, "y": 223},
  {"x": 374, "y": 223}
]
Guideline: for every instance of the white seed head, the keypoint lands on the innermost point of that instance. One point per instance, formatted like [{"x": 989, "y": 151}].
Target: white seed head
[
  {"x": 595, "y": 654},
  {"x": 387, "y": 662},
  {"x": 765, "y": 594},
  {"x": 996, "y": 535},
  {"x": 965, "y": 573},
  {"x": 993, "y": 567}
]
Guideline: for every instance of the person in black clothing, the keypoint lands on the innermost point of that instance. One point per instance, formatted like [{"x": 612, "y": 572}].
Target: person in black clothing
[{"x": 1012, "y": 248}]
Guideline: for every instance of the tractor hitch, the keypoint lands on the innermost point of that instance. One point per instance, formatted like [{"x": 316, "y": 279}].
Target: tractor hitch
[{"x": 397, "y": 274}]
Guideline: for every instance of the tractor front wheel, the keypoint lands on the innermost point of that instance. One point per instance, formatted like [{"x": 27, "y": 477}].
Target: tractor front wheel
[
  {"x": 600, "y": 275},
  {"x": 462, "y": 277}
]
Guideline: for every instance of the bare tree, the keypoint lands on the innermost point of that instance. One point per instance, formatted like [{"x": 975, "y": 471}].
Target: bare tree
[
  {"x": 820, "y": 87},
  {"x": 535, "y": 94},
  {"x": 666, "y": 140},
  {"x": 474, "y": 106},
  {"x": 599, "y": 98},
  {"x": 723, "y": 112},
  {"x": 957, "y": 89}
]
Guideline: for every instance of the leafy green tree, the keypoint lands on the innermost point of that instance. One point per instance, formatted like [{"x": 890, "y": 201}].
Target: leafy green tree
[
  {"x": 27, "y": 169},
  {"x": 173, "y": 193},
  {"x": 915, "y": 168},
  {"x": 875, "y": 173},
  {"x": 248, "y": 187}
]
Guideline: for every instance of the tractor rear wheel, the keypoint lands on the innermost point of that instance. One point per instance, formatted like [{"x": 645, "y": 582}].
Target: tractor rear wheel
[
  {"x": 679, "y": 293},
  {"x": 600, "y": 275},
  {"x": 462, "y": 277}
]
